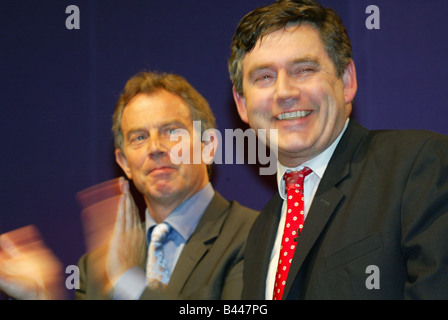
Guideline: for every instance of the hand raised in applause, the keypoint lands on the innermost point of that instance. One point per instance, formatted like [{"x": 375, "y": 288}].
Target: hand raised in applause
[
  {"x": 127, "y": 246},
  {"x": 28, "y": 268}
]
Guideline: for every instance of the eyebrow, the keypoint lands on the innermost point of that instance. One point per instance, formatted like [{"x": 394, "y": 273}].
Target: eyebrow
[
  {"x": 160, "y": 126},
  {"x": 311, "y": 60}
]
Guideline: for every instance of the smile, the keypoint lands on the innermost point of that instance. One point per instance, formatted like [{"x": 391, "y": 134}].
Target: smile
[{"x": 293, "y": 115}]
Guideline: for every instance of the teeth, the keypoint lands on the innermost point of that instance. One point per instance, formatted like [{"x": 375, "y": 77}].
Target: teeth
[{"x": 293, "y": 115}]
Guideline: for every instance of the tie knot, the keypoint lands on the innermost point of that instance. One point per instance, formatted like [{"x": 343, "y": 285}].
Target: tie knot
[
  {"x": 294, "y": 179},
  {"x": 160, "y": 232}
]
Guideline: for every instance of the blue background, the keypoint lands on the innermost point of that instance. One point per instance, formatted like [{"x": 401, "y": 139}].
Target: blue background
[{"x": 59, "y": 88}]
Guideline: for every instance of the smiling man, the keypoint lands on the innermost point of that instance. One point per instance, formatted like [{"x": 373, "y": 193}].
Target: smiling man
[
  {"x": 201, "y": 256},
  {"x": 277, "y": 74},
  {"x": 359, "y": 214}
]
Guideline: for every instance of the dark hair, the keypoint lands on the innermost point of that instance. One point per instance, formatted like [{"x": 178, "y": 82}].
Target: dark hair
[{"x": 265, "y": 20}]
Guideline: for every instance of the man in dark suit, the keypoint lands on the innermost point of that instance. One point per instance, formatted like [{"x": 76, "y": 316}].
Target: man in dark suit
[
  {"x": 201, "y": 255},
  {"x": 209, "y": 267},
  {"x": 204, "y": 247},
  {"x": 375, "y": 203}
]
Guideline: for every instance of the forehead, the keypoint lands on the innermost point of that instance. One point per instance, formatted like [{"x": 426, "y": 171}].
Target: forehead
[
  {"x": 285, "y": 45},
  {"x": 160, "y": 105}
]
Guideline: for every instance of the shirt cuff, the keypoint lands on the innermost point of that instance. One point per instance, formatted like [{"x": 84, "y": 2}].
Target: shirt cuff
[{"x": 130, "y": 285}]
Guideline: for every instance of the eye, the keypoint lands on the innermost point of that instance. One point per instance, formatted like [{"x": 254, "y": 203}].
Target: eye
[
  {"x": 137, "y": 138},
  {"x": 263, "y": 78},
  {"x": 303, "y": 70},
  {"x": 170, "y": 130},
  {"x": 174, "y": 131}
]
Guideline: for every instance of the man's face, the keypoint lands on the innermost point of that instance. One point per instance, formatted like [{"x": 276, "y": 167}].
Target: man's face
[
  {"x": 290, "y": 84},
  {"x": 147, "y": 124}
]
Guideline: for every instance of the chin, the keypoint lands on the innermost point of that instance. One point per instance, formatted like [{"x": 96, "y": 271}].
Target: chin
[
  {"x": 294, "y": 152},
  {"x": 294, "y": 146}
]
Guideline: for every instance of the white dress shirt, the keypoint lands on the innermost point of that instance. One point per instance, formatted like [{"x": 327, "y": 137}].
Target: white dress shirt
[{"x": 318, "y": 164}]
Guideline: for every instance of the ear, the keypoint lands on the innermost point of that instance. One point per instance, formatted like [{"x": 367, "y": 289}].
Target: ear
[
  {"x": 240, "y": 104},
  {"x": 123, "y": 163},
  {"x": 349, "y": 81}
]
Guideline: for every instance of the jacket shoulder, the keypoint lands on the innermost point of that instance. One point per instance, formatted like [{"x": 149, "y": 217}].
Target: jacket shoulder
[
  {"x": 414, "y": 135},
  {"x": 239, "y": 213}
]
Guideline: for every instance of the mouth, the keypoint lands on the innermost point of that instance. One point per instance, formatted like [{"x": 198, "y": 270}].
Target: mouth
[
  {"x": 293, "y": 115},
  {"x": 160, "y": 170}
]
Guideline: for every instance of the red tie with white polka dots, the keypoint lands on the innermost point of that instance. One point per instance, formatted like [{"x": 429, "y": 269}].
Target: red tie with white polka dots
[{"x": 295, "y": 218}]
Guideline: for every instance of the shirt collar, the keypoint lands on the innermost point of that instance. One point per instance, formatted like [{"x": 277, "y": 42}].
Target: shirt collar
[
  {"x": 318, "y": 164},
  {"x": 186, "y": 216}
]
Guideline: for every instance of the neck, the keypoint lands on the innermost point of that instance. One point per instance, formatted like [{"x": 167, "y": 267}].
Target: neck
[
  {"x": 161, "y": 208},
  {"x": 160, "y": 212}
]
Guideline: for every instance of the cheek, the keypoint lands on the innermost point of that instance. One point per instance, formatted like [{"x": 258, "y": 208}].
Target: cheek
[
  {"x": 259, "y": 113},
  {"x": 326, "y": 99},
  {"x": 257, "y": 98},
  {"x": 136, "y": 160}
]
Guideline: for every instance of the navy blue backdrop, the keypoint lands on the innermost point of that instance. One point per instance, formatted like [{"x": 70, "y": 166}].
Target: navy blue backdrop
[{"x": 59, "y": 87}]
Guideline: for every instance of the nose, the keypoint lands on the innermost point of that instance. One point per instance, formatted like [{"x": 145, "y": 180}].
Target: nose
[
  {"x": 287, "y": 91},
  {"x": 156, "y": 147}
]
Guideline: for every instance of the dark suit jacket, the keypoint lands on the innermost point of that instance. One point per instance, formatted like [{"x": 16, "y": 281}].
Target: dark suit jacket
[
  {"x": 382, "y": 202},
  {"x": 209, "y": 267}
]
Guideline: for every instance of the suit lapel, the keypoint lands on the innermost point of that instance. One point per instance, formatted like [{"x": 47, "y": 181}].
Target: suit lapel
[
  {"x": 326, "y": 200},
  {"x": 323, "y": 208},
  {"x": 199, "y": 243}
]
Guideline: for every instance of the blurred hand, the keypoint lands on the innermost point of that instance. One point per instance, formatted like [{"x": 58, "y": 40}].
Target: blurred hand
[
  {"x": 100, "y": 203},
  {"x": 127, "y": 246},
  {"x": 28, "y": 269}
]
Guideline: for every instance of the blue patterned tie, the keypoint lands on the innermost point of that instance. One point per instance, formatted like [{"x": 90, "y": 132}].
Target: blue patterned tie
[{"x": 157, "y": 272}]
